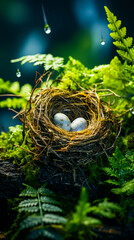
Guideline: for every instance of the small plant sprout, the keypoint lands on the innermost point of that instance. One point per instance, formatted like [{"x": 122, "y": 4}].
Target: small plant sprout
[
  {"x": 18, "y": 73},
  {"x": 47, "y": 28}
]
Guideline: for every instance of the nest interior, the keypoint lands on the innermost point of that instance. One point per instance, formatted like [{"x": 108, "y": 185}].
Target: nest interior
[{"x": 61, "y": 148}]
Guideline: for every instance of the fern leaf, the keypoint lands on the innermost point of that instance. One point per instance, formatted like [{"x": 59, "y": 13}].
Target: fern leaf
[
  {"x": 119, "y": 34},
  {"x": 110, "y": 15},
  {"x": 113, "y": 181},
  {"x": 46, "y": 199},
  {"x": 132, "y": 51},
  {"x": 38, "y": 233},
  {"x": 28, "y": 203},
  {"x": 115, "y": 36},
  {"x": 13, "y": 103},
  {"x": 113, "y": 27},
  {"x": 47, "y": 60},
  {"x": 29, "y": 209},
  {"x": 45, "y": 191},
  {"x": 28, "y": 192},
  {"x": 128, "y": 187},
  {"x": 128, "y": 42},
  {"x": 51, "y": 218},
  {"x": 30, "y": 222},
  {"x": 51, "y": 208},
  {"x": 124, "y": 55},
  {"x": 92, "y": 222},
  {"x": 119, "y": 44},
  {"x": 122, "y": 32}
]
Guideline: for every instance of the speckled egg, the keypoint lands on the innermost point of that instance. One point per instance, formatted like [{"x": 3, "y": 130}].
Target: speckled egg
[
  {"x": 79, "y": 124},
  {"x": 62, "y": 121}
]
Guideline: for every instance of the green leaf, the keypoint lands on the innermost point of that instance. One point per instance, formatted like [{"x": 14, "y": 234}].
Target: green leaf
[
  {"x": 45, "y": 191},
  {"x": 28, "y": 192},
  {"x": 123, "y": 31},
  {"x": 124, "y": 55},
  {"x": 128, "y": 187},
  {"x": 28, "y": 203},
  {"x": 46, "y": 199},
  {"x": 115, "y": 36},
  {"x": 119, "y": 44},
  {"x": 32, "y": 209},
  {"x": 30, "y": 221},
  {"x": 38, "y": 233},
  {"x": 47, "y": 60},
  {"x": 123, "y": 44},
  {"x": 55, "y": 219},
  {"x": 51, "y": 208},
  {"x": 106, "y": 209}
]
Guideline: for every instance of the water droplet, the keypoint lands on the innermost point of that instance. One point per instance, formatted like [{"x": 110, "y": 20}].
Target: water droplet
[
  {"x": 47, "y": 29},
  {"x": 132, "y": 110},
  {"x": 18, "y": 73},
  {"x": 103, "y": 42}
]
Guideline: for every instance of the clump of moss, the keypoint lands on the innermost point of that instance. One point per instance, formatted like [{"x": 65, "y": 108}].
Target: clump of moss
[{"x": 18, "y": 150}]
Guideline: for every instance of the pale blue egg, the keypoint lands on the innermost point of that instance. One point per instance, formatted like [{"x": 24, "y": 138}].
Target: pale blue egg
[
  {"x": 62, "y": 121},
  {"x": 79, "y": 124}
]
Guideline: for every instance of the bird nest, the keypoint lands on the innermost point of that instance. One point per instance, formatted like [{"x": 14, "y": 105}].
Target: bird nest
[{"x": 65, "y": 149}]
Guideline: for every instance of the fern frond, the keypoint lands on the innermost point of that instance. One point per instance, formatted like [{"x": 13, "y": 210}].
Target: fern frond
[
  {"x": 122, "y": 32},
  {"x": 28, "y": 203},
  {"x": 38, "y": 233},
  {"x": 125, "y": 56},
  {"x": 106, "y": 209},
  {"x": 45, "y": 191},
  {"x": 119, "y": 44},
  {"x": 117, "y": 25},
  {"x": 28, "y": 192},
  {"x": 55, "y": 219},
  {"x": 40, "y": 203},
  {"x": 124, "y": 44},
  {"x": 13, "y": 103},
  {"x": 33, "y": 209},
  {"x": 30, "y": 221},
  {"x": 51, "y": 208},
  {"x": 113, "y": 182},
  {"x": 128, "y": 42},
  {"x": 47, "y": 60},
  {"x": 46, "y": 199}
]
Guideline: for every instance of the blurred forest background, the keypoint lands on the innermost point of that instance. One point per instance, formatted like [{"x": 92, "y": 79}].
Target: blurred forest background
[{"x": 77, "y": 28}]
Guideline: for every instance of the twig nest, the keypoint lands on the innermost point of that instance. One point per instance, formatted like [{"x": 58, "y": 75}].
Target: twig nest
[{"x": 88, "y": 130}]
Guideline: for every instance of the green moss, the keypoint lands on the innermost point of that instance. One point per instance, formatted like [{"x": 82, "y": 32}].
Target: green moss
[{"x": 19, "y": 151}]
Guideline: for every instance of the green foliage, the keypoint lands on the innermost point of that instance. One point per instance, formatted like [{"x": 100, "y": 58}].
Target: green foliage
[
  {"x": 19, "y": 151},
  {"x": 47, "y": 60},
  {"x": 75, "y": 76},
  {"x": 17, "y": 96},
  {"x": 121, "y": 169},
  {"x": 9, "y": 145},
  {"x": 83, "y": 221},
  {"x": 126, "y": 50},
  {"x": 40, "y": 223}
]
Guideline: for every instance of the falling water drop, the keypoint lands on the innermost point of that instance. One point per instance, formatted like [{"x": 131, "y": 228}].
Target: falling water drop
[
  {"x": 102, "y": 42},
  {"x": 47, "y": 29},
  {"x": 132, "y": 110},
  {"x": 18, "y": 73}
]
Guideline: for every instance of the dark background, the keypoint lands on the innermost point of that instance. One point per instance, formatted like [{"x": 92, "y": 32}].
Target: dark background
[{"x": 77, "y": 28}]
